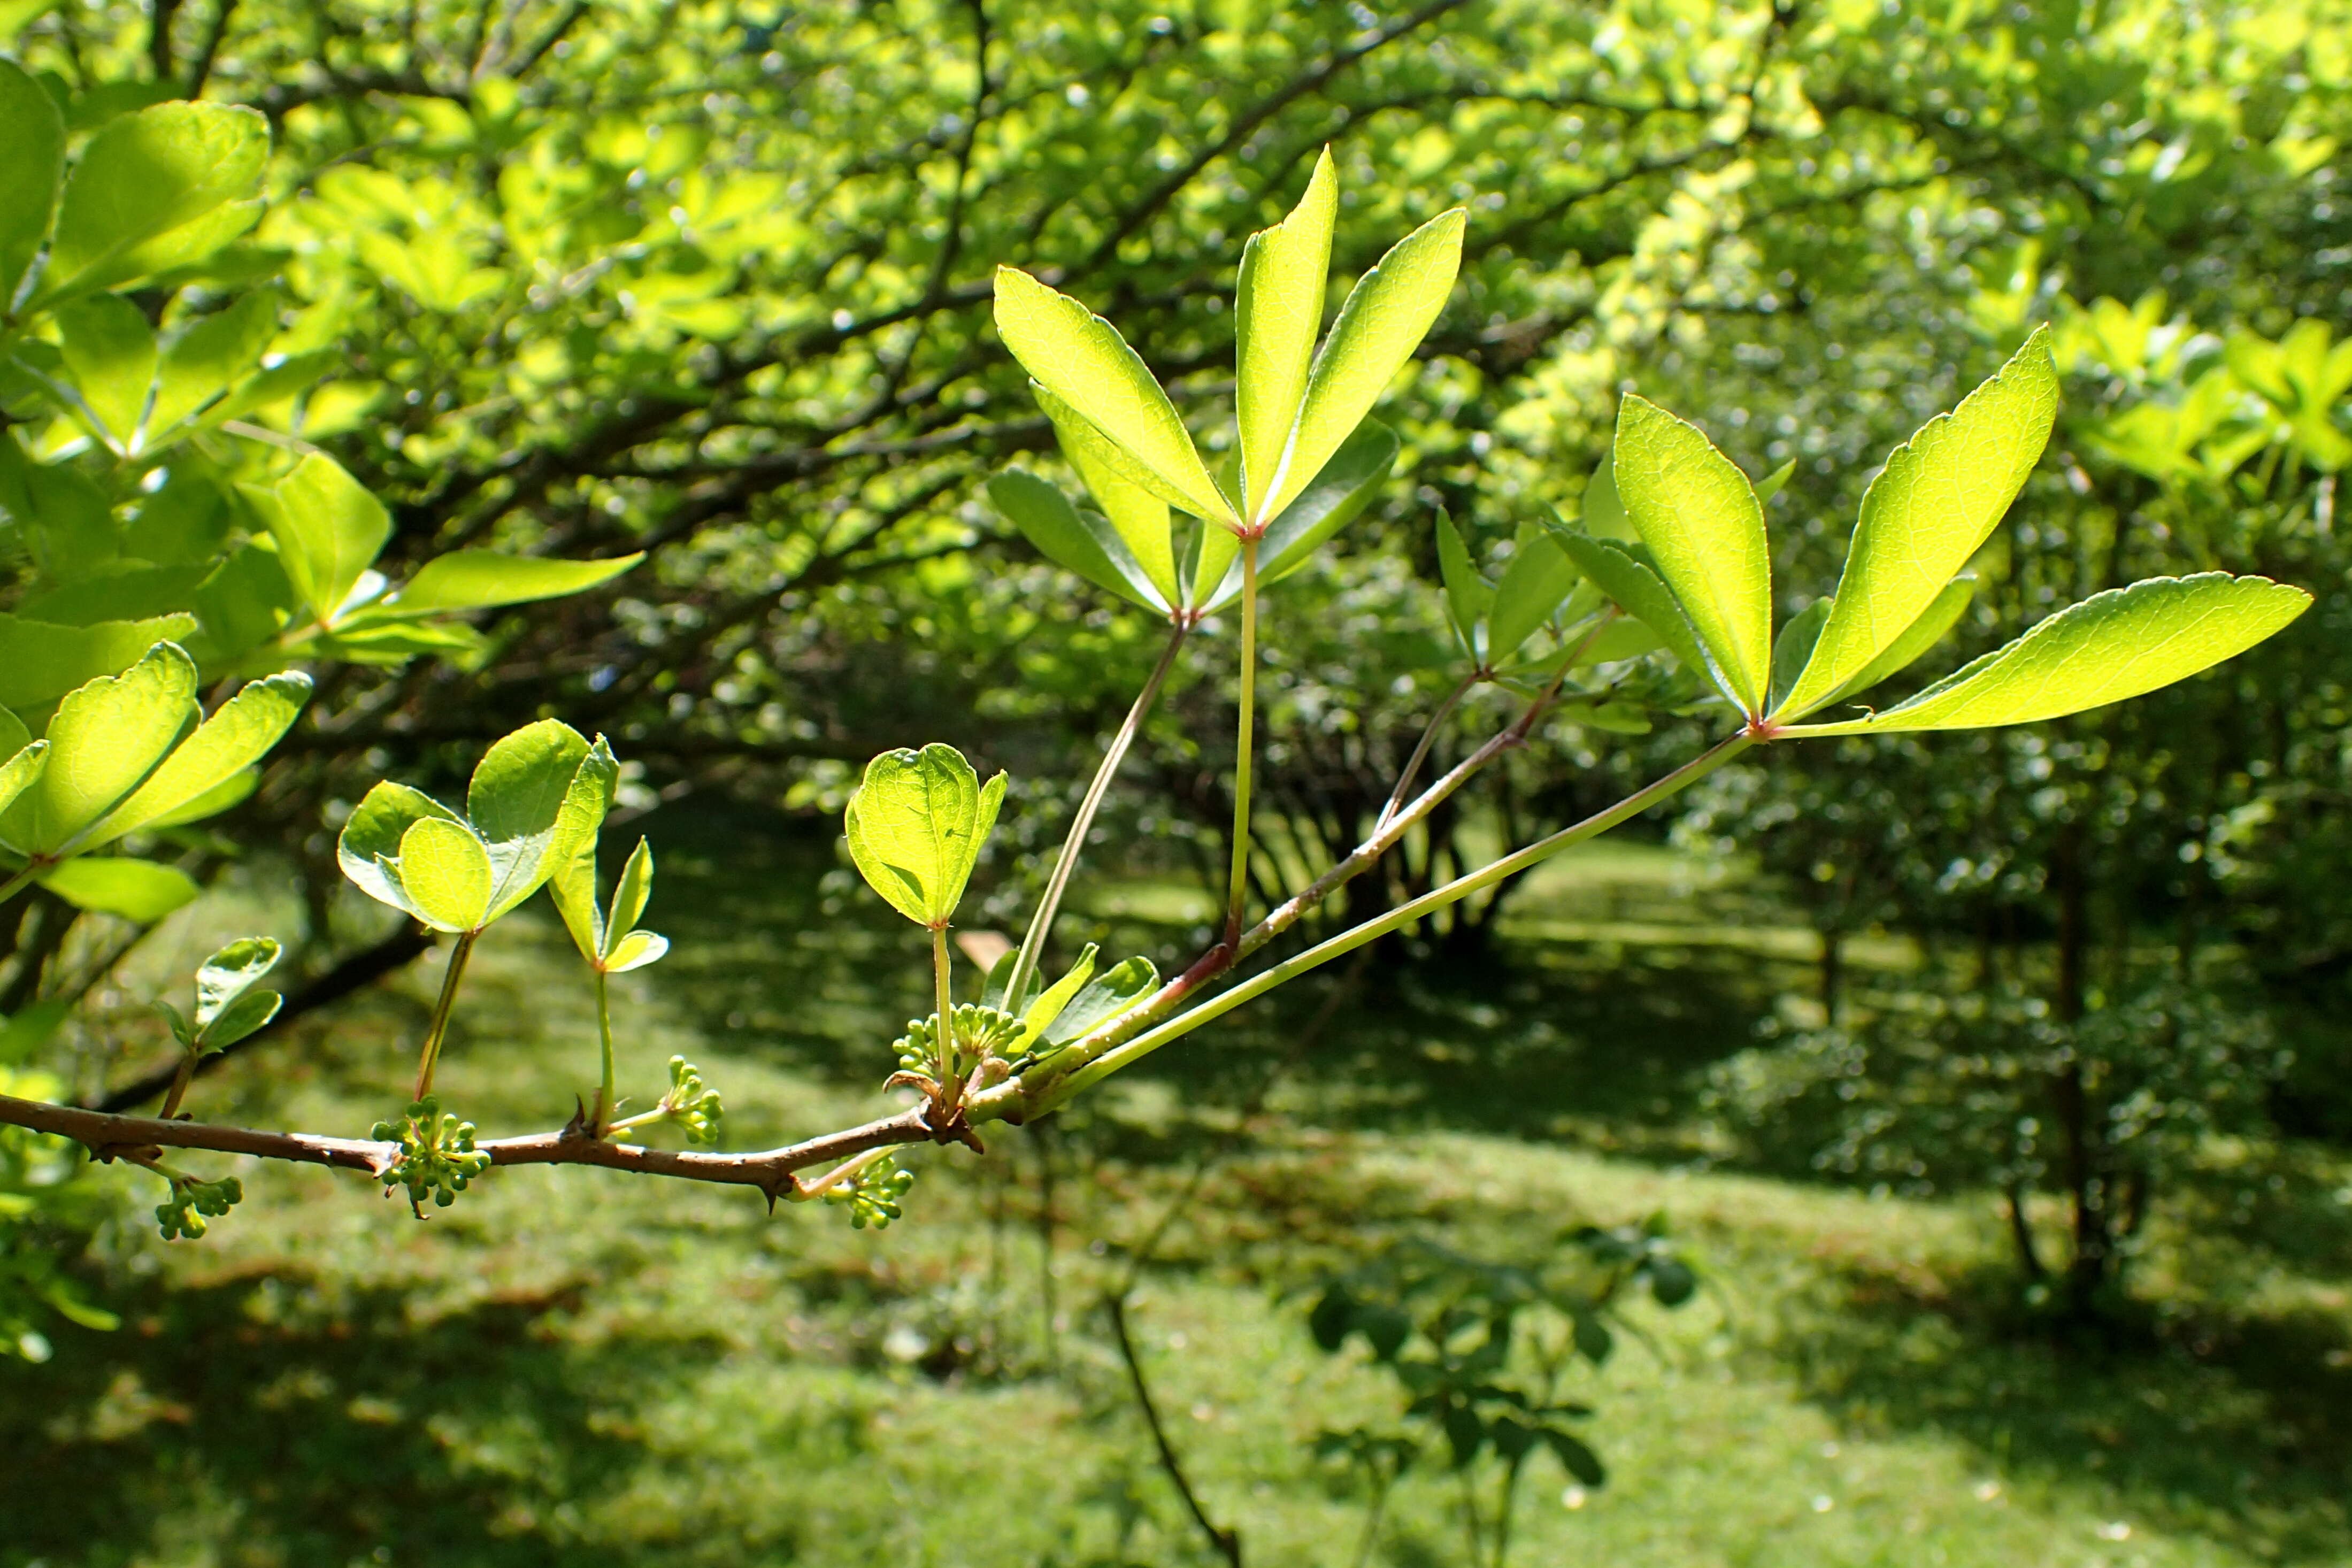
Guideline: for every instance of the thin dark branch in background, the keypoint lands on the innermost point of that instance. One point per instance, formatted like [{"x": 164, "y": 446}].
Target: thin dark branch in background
[{"x": 1227, "y": 1542}]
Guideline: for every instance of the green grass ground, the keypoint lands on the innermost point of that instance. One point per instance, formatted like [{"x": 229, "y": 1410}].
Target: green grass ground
[{"x": 574, "y": 1367}]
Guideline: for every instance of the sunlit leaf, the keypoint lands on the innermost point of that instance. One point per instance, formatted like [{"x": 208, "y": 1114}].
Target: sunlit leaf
[
  {"x": 237, "y": 734},
  {"x": 1081, "y": 359},
  {"x": 1387, "y": 314},
  {"x": 39, "y": 662},
  {"x": 1467, "y": 595},
  {"x": 137, "y": 890},
  {"x": 480, "y": 579},
  {"x": 446, "y": 871},
  {"x": 329, "y": 529},
  {"x": 1933, "y": 504},
  {"x": 146, "y": 178},
  {"x": 34, "y": 136},
  {"x": 572, "y": 855},
  {"x": 1135, "y": 510},
  {"x": 2110, "y": 646},
  {"x": 635, "y": 950},
  {"x": 1696, "y": 511},
  {"x": 1538, "y": 579},
  {"x": 1921, "y": 634},
  {"x": 1102, "y": 999},
  {"x": 107, "y": 737},
  {"x": 368, "y": 849},
  {"x": 516, "y": 800},
  {"x": 1278, "y": 314},
  {"x": 629, "y": 896},
  {"x": 110, "y": 352},
  {"x": 915, "y": 826},
  {"x": 1338, "y": 495}
]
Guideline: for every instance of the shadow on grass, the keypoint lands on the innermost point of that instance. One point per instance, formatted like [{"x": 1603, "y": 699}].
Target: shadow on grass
[
  {"x": 2237, "y": 1429},
  {"x": 286, "y": 1429}
]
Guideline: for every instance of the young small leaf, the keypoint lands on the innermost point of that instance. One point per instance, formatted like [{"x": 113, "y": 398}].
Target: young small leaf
[
  {"x": 1636, "y": 590},
  {"x": 515, "y": 801},
  {"x": 1102, "y": 999},
  {"x": 1769, "y": 485},
  {"x": 1794, "y": 646},
  {"x": 1939, "y": 497},
  {"x": 2111, "y": 645},
  {"x": 1047, "y": 1007},
  {"x": 636, "y": 951},
  {"x": 1696, "y": 511},
  {"x": 1081, "y": 359},
  {"x": 629, "y": 896},
  {"x": 445, "y": 872},
  {"x": 368, "y": 849},
  {"x": 483, "y": 579},
  {"x": 1387, "y": 314},
  {"x": 572, "y": 854},
  {"x": 915, "y": 826},
  {"x": 230, "y": 972},
  {"x": 1278, "y": 314}
]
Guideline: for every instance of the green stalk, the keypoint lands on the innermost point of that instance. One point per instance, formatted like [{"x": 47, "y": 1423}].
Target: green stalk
[
  {"x": 605, "y": 1101},
  {"x": 1041, "y": 924},
  {"x": 442, "y": 1008},
  {"x": 18, "y": 883},
  {"x": 1421, "y": 752},
  {"x": 179, "y": 1089},
  {"x": 942, "y": 973},
  {"x": 1403, "y": 915},
  {"x": 1243, "y": 743}
]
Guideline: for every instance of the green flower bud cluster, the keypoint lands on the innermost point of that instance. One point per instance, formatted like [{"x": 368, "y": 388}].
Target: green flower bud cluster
[
  {"x": 981, "y": 1033},
  {"x": 873, "y": 1194},
  {"x": 181, "y": 1214},
  {"x": 690, "y": 1104},
  {"x": 436, "y": 1154}
]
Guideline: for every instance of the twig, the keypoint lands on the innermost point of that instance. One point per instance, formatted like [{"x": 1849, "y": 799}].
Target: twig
[{"x": 1227, "y": 1542}]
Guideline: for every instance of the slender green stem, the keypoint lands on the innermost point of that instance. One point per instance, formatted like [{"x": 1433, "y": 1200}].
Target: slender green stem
[
  {"x": 1421, "y": 752},
  {"x": 1243, "y": 744},
  {"x": 179, "y": 1089},
  {"x": 1403, "y": 915},
  {"x": 606, "y": 1104},
  {"x": 1041, "y": 924},
  {"x": 942, "y": 973},
  {"x": 19, "y": 882},
  {"x": 442, "y": 1008},
  {"x": 848, "y": 1170}
]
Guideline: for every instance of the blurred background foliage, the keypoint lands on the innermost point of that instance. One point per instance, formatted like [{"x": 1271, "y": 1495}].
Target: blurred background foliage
[{"x": 580, "y": 280}]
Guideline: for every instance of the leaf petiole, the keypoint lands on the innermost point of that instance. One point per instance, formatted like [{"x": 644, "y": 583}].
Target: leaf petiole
[
  {"x": 1243, "y": 743},
  {"x": 442, "y": 1008}
]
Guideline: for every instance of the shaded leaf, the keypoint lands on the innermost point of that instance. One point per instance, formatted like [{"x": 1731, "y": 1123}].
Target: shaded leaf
[
  {"x": 1081, "y": 541},
  {"x": 1104, "y": 998}
]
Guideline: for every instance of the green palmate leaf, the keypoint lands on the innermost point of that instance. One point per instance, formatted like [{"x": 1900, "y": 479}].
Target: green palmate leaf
[
  {"x": 1634, "y": 589},
  {"x": 1081, "y": 359},
  {"x": 208, "y": 358},
  {"x": 1467, "y": 596},
  {"x": 368, "y": 849},
  {"x": 1601, "y": 513},
  {"x": 137, "y": 890},
  {"x": 446, "y": 873},
  {"x": 39, "y": 662},
  {"x": 1083, "y": 542},
  {"x": 228, "y": 1008},
  {"x": 1942, "y": 612},
  {"x": 21, "y": 771},
  {"x": 121, "y": 592},
  {"x": 151, "y": 191},
  {"x": 572, "y": 856},
  {"x": 1340, "y": 492},
  {"x": 1049, "y": 1006},
  {"x": 1933, "y": 504},
  {"x": 1211, "y": 557},
  {"x": 1534, "y": 584},
  {"x": 1695, "y": 510},
  {"x": 629, "y": 896},
  {"x": 515, "y": 801},
  {"x": 1121, "y": 487},
  {"x": 1278, "y": 314},
  {"x": 915, "y": 826},
  {"x": 107, "y": 737},
  {"x": 2110, "y": 646},
  {"x": 1102, "y": 999},
  {"x": 481, "y": 579},
  {"x": 328, "y": 531},
  {"x": 1387, "y": 314},
  {"x": 236, "y": 737},
  {"x": 110, "y": 352},
  {"x": 244, "y": 601},
  {"x": 34, "y": 135}
]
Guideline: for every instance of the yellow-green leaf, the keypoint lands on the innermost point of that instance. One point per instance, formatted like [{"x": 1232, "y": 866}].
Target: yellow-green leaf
[
  {"x": 107, "y": 737},
  {"x": 137, "y": 890},
  {"x": 446, "y": 871},
  {"x": 1697, "y": 512},
  {"x": 2112, "y": 645},
  {"x": 1081, "y": 359},
  {"x": 34, "y": 135},
  {"x": 1939, "y": 497},
  {"x": 915, "y": 826},
  {"x": 1278, "y": 314},
  {"x": 329, "y": 529},
  {"x": 236, "y": 736},
  {"x": 1387, "y": 314}
]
